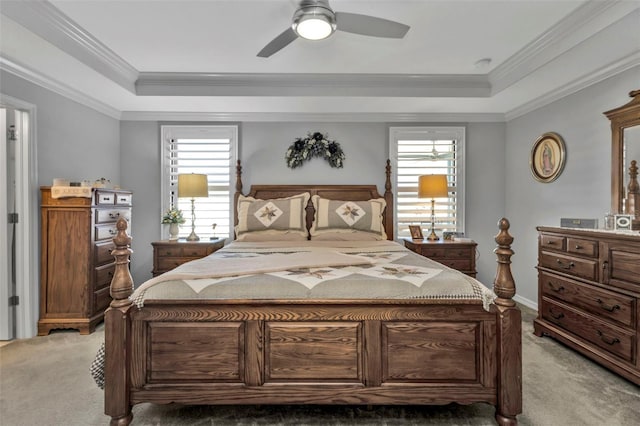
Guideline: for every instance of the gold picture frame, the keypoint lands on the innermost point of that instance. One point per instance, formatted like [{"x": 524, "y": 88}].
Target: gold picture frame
[
  {"x": 548, "y": 157},
  {"x": 416, "y": 232}
]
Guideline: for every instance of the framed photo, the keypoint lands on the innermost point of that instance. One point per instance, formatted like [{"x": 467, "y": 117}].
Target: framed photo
[
  {"x": 416, "y": 232},
  {"x": 548, "y": 156}
]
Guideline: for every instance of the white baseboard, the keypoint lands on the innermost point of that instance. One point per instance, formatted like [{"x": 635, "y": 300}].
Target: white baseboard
[{"x": 526, "y": 302}]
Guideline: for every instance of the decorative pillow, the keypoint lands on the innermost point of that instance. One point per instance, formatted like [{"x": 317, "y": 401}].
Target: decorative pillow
[
  {"x": 261, "y": 236},
  {"x": 348, "y": 216},
  {"x": 347, "y": 235},
  {"x": 278, "y": 214}
]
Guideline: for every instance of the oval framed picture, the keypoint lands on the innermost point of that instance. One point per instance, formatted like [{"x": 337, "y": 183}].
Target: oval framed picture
[{"x": 548, "y": 156}]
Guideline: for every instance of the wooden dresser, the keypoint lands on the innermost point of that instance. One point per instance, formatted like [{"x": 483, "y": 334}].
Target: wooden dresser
[
  {"x": 169, "y": 254},
  {"x": 454, "y": 254},
  {"x": 588, "y": 291},
  {"x": 76, "y": 265}
]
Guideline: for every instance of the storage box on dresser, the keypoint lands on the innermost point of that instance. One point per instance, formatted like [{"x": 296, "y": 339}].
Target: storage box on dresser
[
  {"x": 588, "y": 291},
  {"x": 76, "y": 265}
]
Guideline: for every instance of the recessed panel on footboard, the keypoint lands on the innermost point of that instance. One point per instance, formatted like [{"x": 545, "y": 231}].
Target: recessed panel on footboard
[
  {"x": 437, "y": 351},
  {"x": 196, "y": 351},
  {"x": 313, "y": 351}
]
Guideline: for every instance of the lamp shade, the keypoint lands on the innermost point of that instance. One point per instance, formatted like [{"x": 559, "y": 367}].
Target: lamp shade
[
  {"x": 193, "y": 185},
  {"x": 433, "y": 186}
]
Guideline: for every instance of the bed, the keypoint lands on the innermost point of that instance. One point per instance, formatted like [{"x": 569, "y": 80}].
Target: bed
[{"x": 309, "y": 343}]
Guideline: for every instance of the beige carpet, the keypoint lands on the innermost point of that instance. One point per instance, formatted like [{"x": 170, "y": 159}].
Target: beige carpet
[{"x": 46, "y": 381}]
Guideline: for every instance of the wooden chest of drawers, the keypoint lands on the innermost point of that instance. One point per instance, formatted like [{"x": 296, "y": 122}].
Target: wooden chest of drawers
[
  {"x": 454, "y": 254},
  {"x": 76, "y": 265},
  {"x": 169, "y": 254},
  {"x": 588, "y": 291}
]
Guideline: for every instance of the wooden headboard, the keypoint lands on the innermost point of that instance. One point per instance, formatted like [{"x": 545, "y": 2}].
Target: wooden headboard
[{"x": 332, "y": 192}]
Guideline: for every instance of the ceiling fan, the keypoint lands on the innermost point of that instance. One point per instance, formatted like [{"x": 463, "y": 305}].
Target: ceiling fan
[{"x": 315, "y": 20}]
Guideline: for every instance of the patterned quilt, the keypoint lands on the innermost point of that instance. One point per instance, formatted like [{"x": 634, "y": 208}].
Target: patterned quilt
[{"x": 314, "y": 270}]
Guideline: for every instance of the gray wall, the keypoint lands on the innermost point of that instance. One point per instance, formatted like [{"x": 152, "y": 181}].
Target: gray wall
[
  {"x": 73, "y": 141},
  {"x": 261, "y": 150},
  {"x": 584, "y": 188}
]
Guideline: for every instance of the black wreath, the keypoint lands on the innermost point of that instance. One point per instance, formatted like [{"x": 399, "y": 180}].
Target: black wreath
[{"x": 314, "y": 145}]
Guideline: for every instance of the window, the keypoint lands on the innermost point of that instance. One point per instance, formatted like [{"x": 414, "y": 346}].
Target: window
[
  {"x": 209, "y": 150},
  {"x": 417, "y": 151}
]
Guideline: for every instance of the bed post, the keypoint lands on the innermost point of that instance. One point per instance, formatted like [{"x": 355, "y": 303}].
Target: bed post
[
  {"x": 117, "y": 333},
  {"x": 388, "y": 197},
  {"x": 238, "y": 191},
  {"x": 509, "y": 332}
]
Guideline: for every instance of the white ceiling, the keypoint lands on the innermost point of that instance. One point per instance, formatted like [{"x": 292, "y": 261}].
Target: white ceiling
[{"x": 148, "y": 59}]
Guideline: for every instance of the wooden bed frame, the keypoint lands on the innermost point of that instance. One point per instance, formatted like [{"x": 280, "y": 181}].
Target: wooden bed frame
[{"x": 370, "y": 352}]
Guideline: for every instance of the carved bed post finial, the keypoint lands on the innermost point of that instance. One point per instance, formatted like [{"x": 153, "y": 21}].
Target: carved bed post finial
[
  {"x": 388, "y": 197},
  {"x": 122, "y": 283},
  {"x": 238, "y": 190},
  {"x": 504, "y": 286}
]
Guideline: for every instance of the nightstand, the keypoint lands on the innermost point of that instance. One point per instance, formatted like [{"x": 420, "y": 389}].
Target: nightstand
[
  {"x": 460, "y": 255},
  {"x": 168, "y": 254}
]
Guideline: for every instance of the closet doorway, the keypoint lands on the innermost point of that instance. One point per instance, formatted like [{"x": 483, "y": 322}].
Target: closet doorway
[{"x": 18, "y": 237}]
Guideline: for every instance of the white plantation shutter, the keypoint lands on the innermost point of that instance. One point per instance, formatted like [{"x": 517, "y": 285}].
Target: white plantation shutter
[
  {"x": 417, "y": 151},
  {"x": 209, "y": 150}
]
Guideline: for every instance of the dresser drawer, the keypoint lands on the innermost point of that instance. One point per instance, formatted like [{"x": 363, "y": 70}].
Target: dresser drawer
[
  {"x": 605, "y": 304},
  {"x": 104, "y": 275},
  {"x": 123, "y": 199},
  {"x": 104, "y": 198},
  {"x": 107, "y": 231},
  {"x": 583, "y": 268},
  {"x": 112, "y": 215},
  {"x": 101, "y": 299},
  {"x": 610, "y": 338},
  {"x": 552, "y": 242},
  {"x": 583, "y": 247},
  {"x": 102, "y": 252}
]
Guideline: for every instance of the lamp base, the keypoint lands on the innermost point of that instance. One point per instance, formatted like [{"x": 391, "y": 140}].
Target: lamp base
[
  {"x": 433, "y": 236},
  {"x": 193, "y": 237}
]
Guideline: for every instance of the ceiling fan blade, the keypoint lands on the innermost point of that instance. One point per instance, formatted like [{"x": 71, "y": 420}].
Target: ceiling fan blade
[
  {"x": 370, "y": 25},
  {"x": 280, "y": 42}
]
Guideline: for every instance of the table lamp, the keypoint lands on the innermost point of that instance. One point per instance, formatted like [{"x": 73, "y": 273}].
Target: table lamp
[
  {"x": 191, "y": 186},
  {"x": 433, "y": 186}
]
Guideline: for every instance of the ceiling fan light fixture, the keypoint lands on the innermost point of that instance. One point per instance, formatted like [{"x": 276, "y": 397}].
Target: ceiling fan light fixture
[{"x": 314, "y": 23}]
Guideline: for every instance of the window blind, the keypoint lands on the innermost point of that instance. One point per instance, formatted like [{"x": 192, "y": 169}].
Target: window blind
[
  {"x": 209, "y": 150},
  {"x": 425, "y": 151}
]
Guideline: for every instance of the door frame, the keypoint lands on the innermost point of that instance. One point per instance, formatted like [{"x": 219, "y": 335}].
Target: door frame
[{"x": 27, "y": 229}]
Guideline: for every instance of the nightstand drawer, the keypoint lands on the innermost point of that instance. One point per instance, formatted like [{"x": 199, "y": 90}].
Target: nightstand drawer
[
  {"x": 168, "y": 263},
  {"x": 458, "y": 264},
  {"x": 607, "y": 337}
]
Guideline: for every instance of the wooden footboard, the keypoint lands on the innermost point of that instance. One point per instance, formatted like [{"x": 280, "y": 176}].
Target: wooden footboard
[{"x": 312, "y": 352}]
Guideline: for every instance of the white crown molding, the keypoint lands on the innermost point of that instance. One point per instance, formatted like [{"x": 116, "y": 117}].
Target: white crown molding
[
  {"x": 311, "y": 84},
  {"x": 48, "y": 22},
  {"x": 576, "y": 85},
  {"x": 314, "y": 117},
  {"x": 549, "y": 44},
  {"x": 8, "y": 65}
]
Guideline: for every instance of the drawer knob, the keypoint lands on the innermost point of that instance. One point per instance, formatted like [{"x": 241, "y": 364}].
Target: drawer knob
[
  {"x": 114, "y": 216},
  {"x": 578, "y": 247},
  {"x": 565, "y": 266},
  {"x": 606, "y": 339},
  {"x": 113, "y": 232},
  {"x": 606, "y": 307},
  {"x": 554, "y": 288},
  {"x": 556, "y": 316},
  {"x": 550, "y": 243}
]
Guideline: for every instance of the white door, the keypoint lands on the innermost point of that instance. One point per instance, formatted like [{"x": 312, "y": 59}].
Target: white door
[{"x": 7, "y": 232}]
